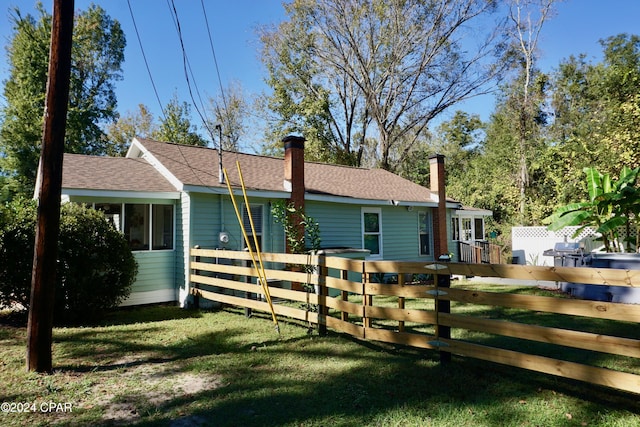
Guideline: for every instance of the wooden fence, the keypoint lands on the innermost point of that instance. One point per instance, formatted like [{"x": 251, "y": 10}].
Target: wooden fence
[{"x": 413, "y": 304}]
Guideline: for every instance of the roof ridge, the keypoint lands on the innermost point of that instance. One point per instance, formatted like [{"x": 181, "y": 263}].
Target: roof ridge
[
  {"x": 99, "y": 156},
  {"x": 266, "y": 156},
  {"x": 177, "y": 144}
]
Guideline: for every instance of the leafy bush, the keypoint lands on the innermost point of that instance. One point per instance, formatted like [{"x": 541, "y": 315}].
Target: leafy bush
[
  {"x": 17, "y": 236},
  {"x": 95, "y": 265}
]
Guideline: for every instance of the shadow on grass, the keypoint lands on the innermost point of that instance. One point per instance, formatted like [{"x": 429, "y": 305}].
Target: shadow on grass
[
  {"x": 116, "y": 316},
  {"x": 97, "y": 351},
  {"x": 297, "y": 381},
  {"x": 410, "y": 387},
  {"x": 152, "y": 313}
]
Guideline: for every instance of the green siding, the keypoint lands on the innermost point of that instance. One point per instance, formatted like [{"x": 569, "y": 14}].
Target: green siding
[
  {"x": 340, "y": 225},
  {"x": 205, "y": 220},
  {"x": 156, "y": 271},
  {"x": 182, "y": 224},
  {"x": 400, "y": 233}
]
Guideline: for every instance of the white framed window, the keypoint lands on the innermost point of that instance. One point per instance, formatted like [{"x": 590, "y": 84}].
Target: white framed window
[
  {"x": 161, "y": 227},
  {"x": 478, "y": 228},
  {"x": 146, "y": 226},
  {"x": 256, "y": 217},
  {"x": 455, "y": 228},
  {"x": 424, "y": 232},
  {"x": 468, "y": 228},
  {"x": 372, "y": 231},
  {"x": 113, "y": 212}
]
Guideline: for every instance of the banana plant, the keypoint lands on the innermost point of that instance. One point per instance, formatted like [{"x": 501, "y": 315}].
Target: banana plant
[{"x": 611, "y": 205}]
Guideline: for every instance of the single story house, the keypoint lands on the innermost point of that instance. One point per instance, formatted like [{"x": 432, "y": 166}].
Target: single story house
[{"x": 167, "y": 198}]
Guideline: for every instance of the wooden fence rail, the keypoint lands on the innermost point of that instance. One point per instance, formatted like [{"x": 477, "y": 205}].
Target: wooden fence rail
[{"x": 413, "y": 304}]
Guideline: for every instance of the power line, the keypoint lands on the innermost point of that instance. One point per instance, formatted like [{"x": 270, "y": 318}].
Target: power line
[
  {"x": 187, "y": 67},
  {"x": 145, "y": 60},
  {"x": 215, "y": 60}
]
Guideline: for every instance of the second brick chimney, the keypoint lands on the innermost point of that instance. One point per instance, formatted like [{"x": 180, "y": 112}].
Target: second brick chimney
[{"x": 437, "y": 181}]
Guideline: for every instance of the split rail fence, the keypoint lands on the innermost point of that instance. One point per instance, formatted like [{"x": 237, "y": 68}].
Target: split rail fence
[{"x": 415, "y": 304}]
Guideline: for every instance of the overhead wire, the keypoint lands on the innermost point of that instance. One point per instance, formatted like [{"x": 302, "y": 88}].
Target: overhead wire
[
  {"x": 144, "y": 57},
  {"x": 215, "y": 61},
  {"x": 187, "y": 67}
]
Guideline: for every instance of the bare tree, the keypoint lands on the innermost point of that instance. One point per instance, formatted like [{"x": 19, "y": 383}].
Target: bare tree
[
  {"x": 388, "y": 66},
  {"x": 230, "y": 110},
  {"x": 527, "y": 18}
]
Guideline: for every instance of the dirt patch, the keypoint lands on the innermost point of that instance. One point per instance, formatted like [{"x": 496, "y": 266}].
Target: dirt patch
[{"x": 155, "y": 385}]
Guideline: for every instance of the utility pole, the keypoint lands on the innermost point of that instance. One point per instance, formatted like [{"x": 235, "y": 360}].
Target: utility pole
[{"x": 43, "y": 277}]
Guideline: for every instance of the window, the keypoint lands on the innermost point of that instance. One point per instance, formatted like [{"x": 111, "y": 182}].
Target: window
[
  {"x": 372, "y": 231},
  {"x": 466, "y": 229},
  {"x": 162, "y": 220},
  {"x": 256, "y": 217},
  {"x": 145, "y": 226},
  {"x": 455, "y": 228},
  {"x": 136, "y": 226},
  {"x": 424, "y": 228},
  {"x": 478, "y": 228},
  {"x": 113, "y": 212}
]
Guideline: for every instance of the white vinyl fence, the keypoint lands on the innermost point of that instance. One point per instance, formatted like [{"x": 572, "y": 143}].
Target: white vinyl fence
[{"x": 529, "y": 243}]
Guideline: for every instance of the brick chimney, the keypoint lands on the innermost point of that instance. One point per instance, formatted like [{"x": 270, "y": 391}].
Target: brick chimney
[
  {"x": 294, "y": 168},
  {"x": 294, "y": 172},
  {"x": 437, "y": 180}
]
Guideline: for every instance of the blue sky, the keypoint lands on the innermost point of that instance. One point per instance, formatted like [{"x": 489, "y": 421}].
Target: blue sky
[{"x": 576, "y": 28}]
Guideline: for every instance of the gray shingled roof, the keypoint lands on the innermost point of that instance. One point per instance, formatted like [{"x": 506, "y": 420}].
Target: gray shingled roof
[
  {"x": 199, "y": 166},
  {"x": 111, "y": 173}
]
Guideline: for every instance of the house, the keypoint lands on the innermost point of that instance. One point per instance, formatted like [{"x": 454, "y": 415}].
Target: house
[{"x": 167, "y": 198}]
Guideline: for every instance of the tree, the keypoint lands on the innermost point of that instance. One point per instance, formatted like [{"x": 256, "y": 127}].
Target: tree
[
  {"x": 597, "y": 115},
  {"x": 527, "y": 18},
  {"x": 342, "y": 69},
  {"x": 176, "y": 125},
  {"x": 621, "y": 80},
  {"x": 459, "y": 140},
  {"x": 304, "y": 92},
  {"x": 118, "y": 135},
  {"x": 230, "y": 111},
  {"x": 98, "y": 52}
]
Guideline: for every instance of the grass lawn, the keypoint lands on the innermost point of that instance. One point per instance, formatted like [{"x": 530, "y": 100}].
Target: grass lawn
[{"x": 167, "y": 366}]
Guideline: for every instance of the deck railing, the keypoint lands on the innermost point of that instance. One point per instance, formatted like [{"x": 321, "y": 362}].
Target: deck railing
[
  {"x": 480, "y": 252},
  {"x": 415, "y": 304}
]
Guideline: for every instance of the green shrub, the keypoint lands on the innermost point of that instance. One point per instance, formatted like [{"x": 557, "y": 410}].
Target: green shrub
[
  {"x": 95, "y": 265},
  {"x": 17, "y": 236}
]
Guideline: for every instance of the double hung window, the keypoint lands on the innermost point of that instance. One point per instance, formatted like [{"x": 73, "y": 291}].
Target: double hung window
[
  {"x": 424, "y": 231},
  {"x": 256, "y": 217},
  {"x": 372, "y": 231}
]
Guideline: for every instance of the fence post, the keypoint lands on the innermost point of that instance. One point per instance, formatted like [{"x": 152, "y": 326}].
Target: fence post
[
  {"x": 344, "y": 315},
  {"x": 443, "y": 281},
  {"x": 323, "y": 310},
  {"x": 366, "y": 322},
  {"x": 248, "y": 295},
  {"x": 196, "y": 296},
  {"x": 401, "y": 302}
]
